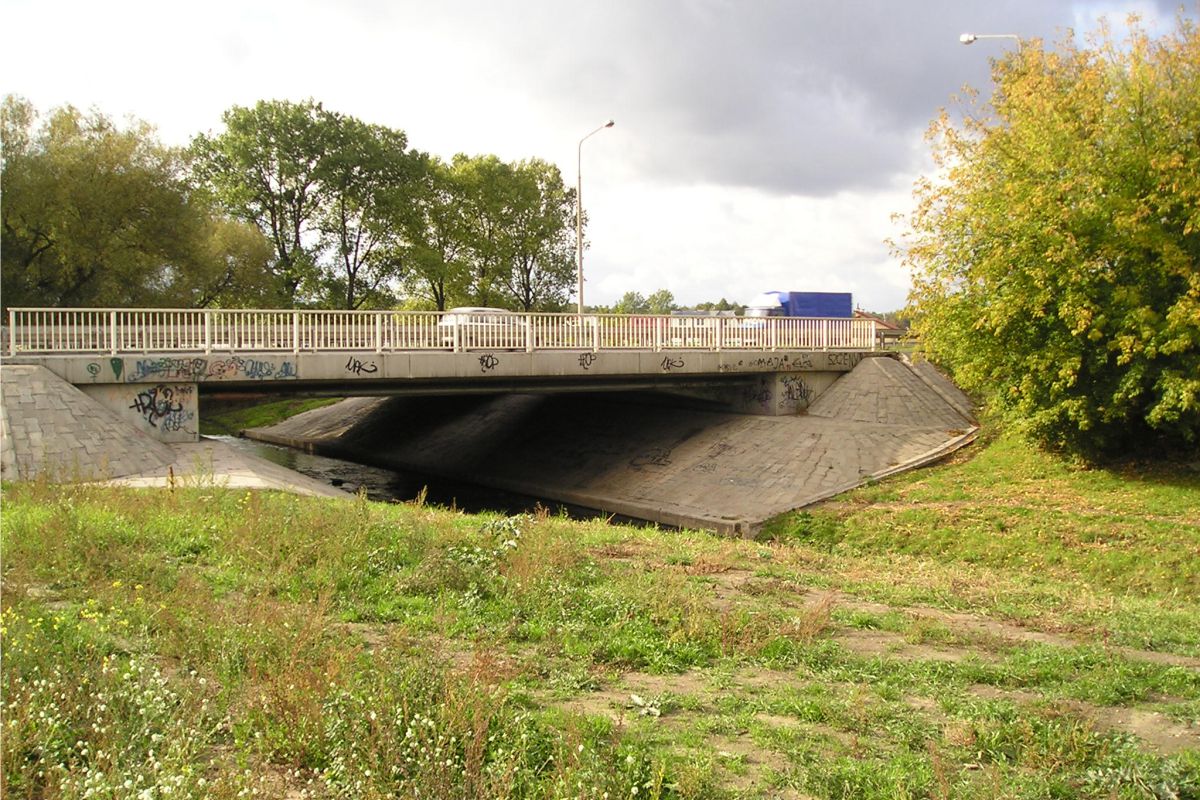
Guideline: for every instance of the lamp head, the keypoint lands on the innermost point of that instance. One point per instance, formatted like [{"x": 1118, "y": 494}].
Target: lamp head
[
  {"x": 610, "y": 123},
  {"x": 967, "y": 38}
]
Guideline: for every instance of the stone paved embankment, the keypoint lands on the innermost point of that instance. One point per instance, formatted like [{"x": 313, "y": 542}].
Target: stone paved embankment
[{"x": 50, "y": 429}]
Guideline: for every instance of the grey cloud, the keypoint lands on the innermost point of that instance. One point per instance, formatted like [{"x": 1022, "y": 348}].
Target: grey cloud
[{"x": 790, "y": 97}]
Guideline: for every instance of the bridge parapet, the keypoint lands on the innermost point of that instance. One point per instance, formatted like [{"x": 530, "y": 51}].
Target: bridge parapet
[{"x": 113, "y": 332}]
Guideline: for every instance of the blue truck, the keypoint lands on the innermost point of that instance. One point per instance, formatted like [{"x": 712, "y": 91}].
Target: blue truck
[{"x": 801, "y": 304}]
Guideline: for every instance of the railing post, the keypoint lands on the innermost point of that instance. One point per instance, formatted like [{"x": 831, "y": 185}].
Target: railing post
[
  {"x": 378, "y": 332},
  {"x": 295, "y": 332},
  {"x": 528, "y": 332},
  {"x": 595, "y": 334},
  {"x": 657, "y": 334},
  {"x": 720, "y": 332},
  {"x": 12, "y": 332},
  {"x": 112, "y": 331}
]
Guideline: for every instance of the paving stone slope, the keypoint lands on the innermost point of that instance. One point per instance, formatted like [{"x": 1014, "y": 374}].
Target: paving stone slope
[
  {"x": 52, "y": 428},
  {"x": 886, "y": 391},
  {"x": 678, "y": 466}
]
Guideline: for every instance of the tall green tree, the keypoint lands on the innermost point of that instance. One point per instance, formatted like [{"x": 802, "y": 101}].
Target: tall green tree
[
  {"x": 97, "y": 215},
  {"x": 1056, "y": 256},
  {"x": 540, "y": 237},
  {"x": 371, "y": 185},
  {"x": 332, "y": 193},
  {"x": 267, "y": 168},
  {"x": 486, "y": 185},
  {"x": 437, "y": 236}
]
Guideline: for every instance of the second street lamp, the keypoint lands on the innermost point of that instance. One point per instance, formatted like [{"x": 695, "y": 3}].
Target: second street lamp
[
  {"x": 579, "y": 208},
  {"x": 971, "y": 38}
]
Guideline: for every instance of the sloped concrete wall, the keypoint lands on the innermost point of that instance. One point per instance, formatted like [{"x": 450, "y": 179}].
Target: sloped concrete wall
[
  {"x": 53, "y": 429},
  {"x": 170, "y": 412}
]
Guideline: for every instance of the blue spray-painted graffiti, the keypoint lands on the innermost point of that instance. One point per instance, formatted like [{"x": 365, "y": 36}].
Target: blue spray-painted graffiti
[{"x": 203, "y": 369}]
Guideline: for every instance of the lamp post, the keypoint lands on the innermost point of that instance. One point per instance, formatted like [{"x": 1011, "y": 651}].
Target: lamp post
[
  {"x": 579, "y": 208},
  {"x": 971, "y": 38}
]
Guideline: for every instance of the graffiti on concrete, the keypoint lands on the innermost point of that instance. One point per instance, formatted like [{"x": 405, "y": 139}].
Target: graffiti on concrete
[
  {"x": 488, "y": 362},
  {"x": 204, "y": 369},
  {"x": 654, "y": 457},
  {"x": 165, "y": 406},
  {"x": 93, "y": 369},
  {"x": 770, "y": 362},
  {"x": 794, "y": 390},
  {"x": 118, "y": 367},
  {"x": 587, "y": 359},
  {"x": 669, "y": 364},
  {"x": 844, "y": 359},
  {"x": 361, "y": 368},
  {"x": 184, "y": 369}
]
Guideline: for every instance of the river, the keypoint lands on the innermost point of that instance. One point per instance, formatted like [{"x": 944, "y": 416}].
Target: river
[{"x": 391, "y": 486}]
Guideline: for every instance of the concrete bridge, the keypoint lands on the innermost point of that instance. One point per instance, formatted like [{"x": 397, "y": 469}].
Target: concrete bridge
[
  {"x": 793, "y": 410},
  {"x": 150, "y": 366}
]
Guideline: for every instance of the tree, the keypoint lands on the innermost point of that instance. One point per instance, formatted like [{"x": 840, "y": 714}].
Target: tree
[
  {"x": 370, "y": 183},
  {"x": 485, "y": 184},
  {"x": 436, "y": 236},
  {"x": 540, "y": 237},
  {"x": 94, "y": 215},
  {"x": 1056, "y": 260},
  {"x": 267, "y": 169},
  {"x": 661, "y": 302},
  {"x": 632, "y": 303}
]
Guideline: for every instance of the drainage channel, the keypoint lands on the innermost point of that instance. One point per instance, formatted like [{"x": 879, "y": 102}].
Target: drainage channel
[{"x": 387, "y": 485}]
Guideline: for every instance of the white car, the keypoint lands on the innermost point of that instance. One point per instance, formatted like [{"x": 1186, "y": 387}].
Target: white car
[{"x": 478, "y": 328}]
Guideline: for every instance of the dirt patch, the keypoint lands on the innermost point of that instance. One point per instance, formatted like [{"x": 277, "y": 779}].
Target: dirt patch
[
  {"x": 637, "y": 694},
  {"x": 893, "y": 645},
  {"x": 747, "y": 765},
  {"x": 728, "y": 587},
  {"x": 1155, "y": 729}
]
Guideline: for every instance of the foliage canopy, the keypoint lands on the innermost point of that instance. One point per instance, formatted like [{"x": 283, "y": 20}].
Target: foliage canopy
[
  {"x": 97, "y": 215},
  {"x": 1056, "y": 257}
]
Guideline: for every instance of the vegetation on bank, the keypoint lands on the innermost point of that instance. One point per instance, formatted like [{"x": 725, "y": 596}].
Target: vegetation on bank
[
  {"x": 1055, "y": 252},
  {"x": 1000, "y": 627},
  {"x": 229, "y": 418}
]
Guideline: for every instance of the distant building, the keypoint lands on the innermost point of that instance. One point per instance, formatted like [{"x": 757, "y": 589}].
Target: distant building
[{"x": 886, "y": 334}]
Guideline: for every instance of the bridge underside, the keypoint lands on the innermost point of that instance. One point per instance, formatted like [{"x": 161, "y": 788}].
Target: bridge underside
[
  {"x": 161, "y": 393},
  {"x": 682, "y": 466}
]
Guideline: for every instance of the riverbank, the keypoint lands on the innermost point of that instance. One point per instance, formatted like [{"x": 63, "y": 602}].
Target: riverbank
[
  {"x": 211, "y": 462},
  {"x": 1000, "y": 626}
]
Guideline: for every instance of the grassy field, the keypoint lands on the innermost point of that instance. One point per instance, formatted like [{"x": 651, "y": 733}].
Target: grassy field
[{"x": 1003, "y": 626}]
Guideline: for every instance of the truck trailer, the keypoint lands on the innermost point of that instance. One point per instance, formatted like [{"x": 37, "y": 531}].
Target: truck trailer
[{"x": 801, "y": 304}]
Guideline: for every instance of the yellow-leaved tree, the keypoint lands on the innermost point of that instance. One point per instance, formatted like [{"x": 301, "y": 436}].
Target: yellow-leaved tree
[{"x": 1056, "y": 253}]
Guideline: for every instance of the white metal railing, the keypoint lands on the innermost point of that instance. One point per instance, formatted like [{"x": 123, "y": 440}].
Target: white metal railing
[{"x": 36, "y": 331}]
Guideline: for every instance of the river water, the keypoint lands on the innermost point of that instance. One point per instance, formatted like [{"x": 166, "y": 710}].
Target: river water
[{"x": 389, "y": 485}]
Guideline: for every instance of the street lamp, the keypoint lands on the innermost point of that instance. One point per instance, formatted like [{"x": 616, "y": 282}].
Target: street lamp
[
  {"x": 579, "y": 208},
  {"x": 971, "y": 38}
]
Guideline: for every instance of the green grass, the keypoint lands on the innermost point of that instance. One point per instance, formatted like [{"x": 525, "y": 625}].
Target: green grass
[
  {"x": 231, "y": 418},
  {"x": 210, "y": 642}
]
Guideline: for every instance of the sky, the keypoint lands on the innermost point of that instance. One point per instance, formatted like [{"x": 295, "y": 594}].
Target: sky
[{"x": 759, "y": 144}]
